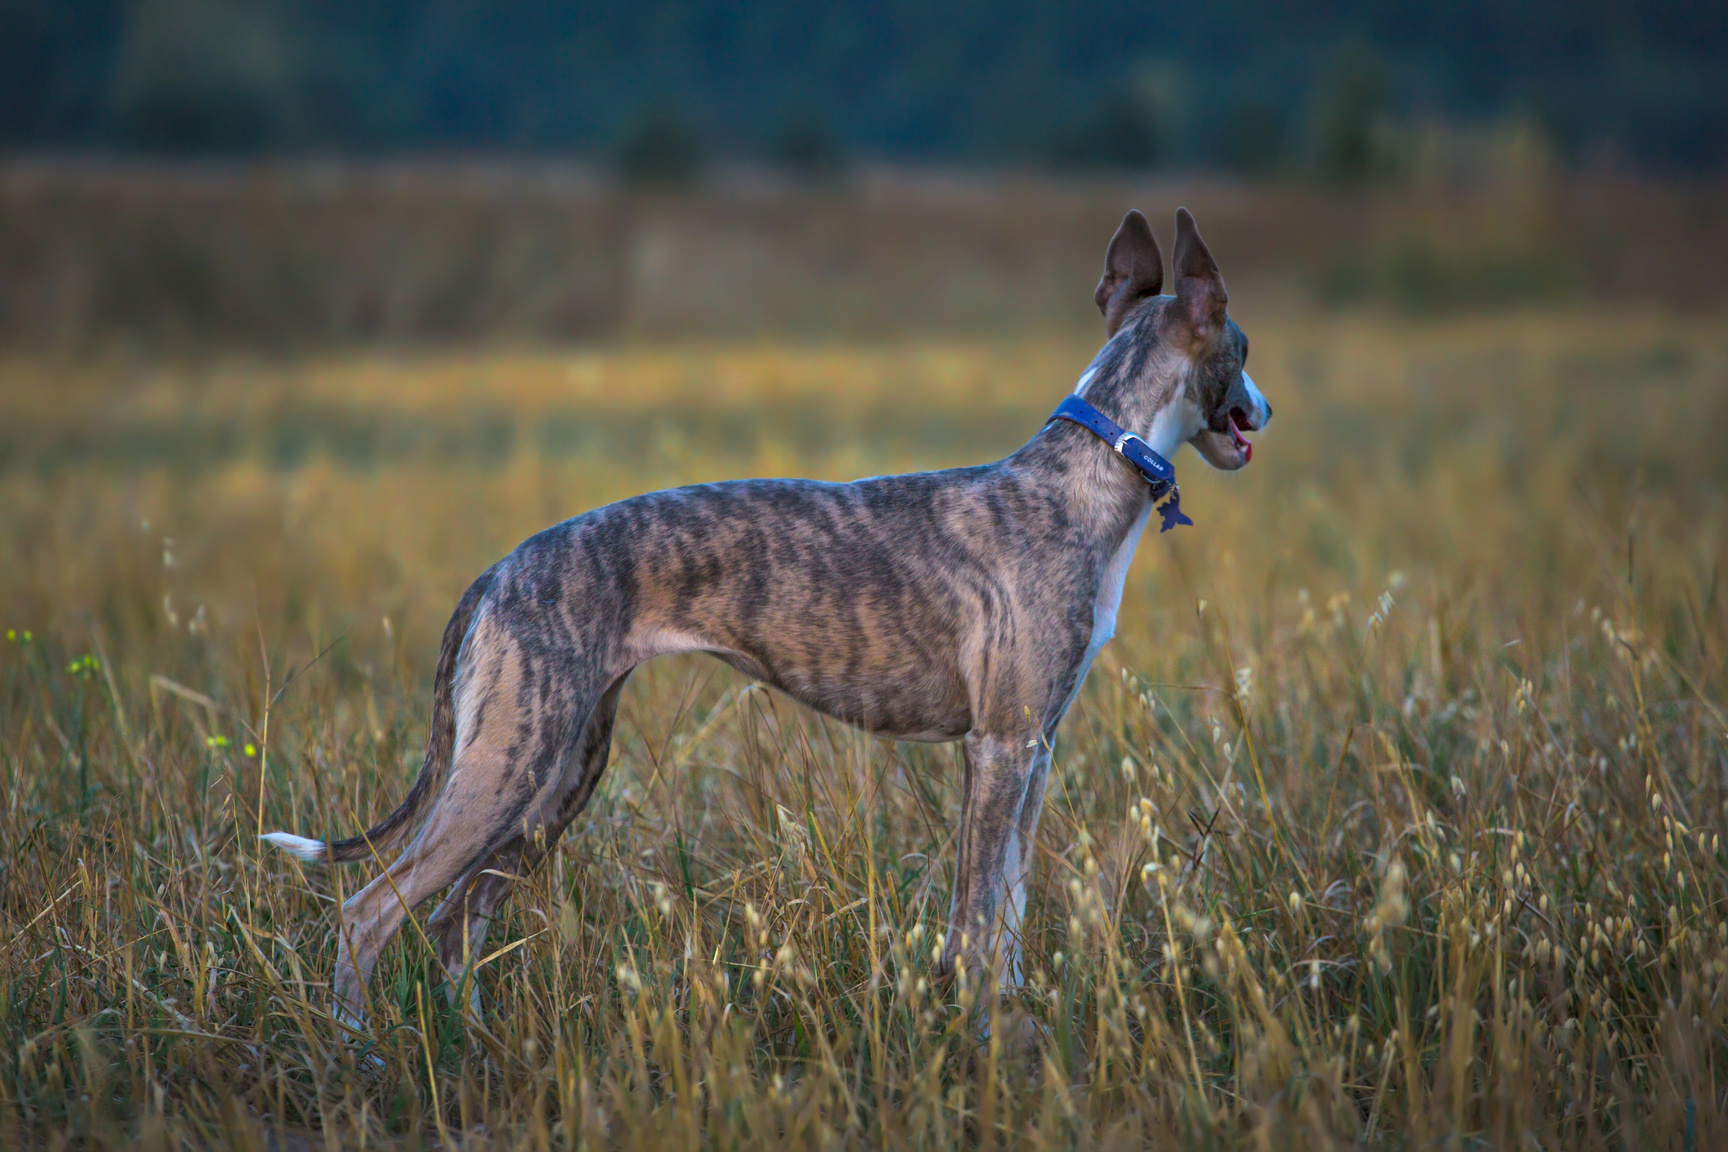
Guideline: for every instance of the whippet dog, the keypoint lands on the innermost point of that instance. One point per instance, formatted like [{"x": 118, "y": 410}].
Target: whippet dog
[{"x": 965, "y": 605}]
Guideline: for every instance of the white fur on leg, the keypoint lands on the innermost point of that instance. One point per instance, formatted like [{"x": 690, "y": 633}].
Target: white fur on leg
[
  {"x": 453, "y": 990},
  {"x": 348, "y": 1018},
  {"x": 301, "y": 846}
]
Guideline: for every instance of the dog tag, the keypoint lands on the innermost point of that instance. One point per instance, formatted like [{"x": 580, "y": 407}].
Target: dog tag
[{"x": 1171, "y": 511}]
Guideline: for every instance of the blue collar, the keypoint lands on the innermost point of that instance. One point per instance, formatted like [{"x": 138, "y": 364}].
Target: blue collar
[{"x": 1159, "y": 472}]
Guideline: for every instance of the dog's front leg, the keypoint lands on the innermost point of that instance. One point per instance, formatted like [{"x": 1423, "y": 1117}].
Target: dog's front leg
[
  {"x": 1002, "y": 774},
  {"x": 1017, "y": 868}
]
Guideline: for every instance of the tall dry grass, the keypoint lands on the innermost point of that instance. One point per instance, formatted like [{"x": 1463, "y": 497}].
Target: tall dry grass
[{"x": 1391, "y": 818}]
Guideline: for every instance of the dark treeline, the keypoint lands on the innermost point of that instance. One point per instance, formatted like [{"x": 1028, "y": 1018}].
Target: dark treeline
[{"x": 660, "y": 85}]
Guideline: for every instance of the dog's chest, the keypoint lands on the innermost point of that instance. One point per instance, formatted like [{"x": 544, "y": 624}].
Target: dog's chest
[{"x": 1109, "y": 599}]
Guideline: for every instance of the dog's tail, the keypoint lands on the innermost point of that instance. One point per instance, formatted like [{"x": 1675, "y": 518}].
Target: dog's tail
[{"x": 440, "y": 745}]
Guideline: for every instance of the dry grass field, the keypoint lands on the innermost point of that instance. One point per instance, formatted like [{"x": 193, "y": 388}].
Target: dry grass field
[{"x": 1390, "y": 819}]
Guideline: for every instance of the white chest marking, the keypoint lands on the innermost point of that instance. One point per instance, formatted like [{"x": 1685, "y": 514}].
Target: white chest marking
[
  {"x": 1171, "y": 428},
  {"x": 1109, "y": 600}
]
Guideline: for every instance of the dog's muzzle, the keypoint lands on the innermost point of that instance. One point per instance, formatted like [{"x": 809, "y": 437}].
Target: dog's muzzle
[{"x": 1245, "y": 398}]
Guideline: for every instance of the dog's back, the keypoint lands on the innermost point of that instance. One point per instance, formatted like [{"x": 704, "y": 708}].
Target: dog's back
[{"x": 884, "y": 602}]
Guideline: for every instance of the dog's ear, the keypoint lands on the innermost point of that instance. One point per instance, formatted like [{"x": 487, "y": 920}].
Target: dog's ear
[
  {"x": 1133, "y": 270},
  {"x": 1201, "y": 300}
]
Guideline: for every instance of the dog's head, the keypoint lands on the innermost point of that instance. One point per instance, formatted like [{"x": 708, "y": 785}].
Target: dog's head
[{"x": 1211, "y": 352}]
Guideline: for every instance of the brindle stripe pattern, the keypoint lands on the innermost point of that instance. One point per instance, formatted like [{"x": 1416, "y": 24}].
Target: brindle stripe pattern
[{"x": 933, "y": 606}]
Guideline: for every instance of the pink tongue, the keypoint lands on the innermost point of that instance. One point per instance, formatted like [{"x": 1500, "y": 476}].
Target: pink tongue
[{"x": 1242, "y": 441}]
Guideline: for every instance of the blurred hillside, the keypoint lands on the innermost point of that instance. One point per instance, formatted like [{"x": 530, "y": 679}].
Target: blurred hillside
[
  {"x": 1248, "y": 85},
  {"x": 185, "y": 174},
  {"x": 279, "y": 256}
]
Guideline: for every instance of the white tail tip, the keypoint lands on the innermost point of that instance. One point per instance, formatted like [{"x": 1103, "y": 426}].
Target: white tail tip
[{"x": 300, "y": 846}]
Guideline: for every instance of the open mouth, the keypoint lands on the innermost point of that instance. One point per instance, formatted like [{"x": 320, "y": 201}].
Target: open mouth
[{"x": 1237, "y": 419}]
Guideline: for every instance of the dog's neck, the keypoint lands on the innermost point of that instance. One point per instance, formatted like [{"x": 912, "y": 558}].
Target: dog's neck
[
  {"x": 1142, "y": 384},
  {"x": 1146, "y": 394}
]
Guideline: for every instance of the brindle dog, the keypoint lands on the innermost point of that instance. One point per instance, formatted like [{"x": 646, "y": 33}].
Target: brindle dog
[{"x": 959, "y": 605}]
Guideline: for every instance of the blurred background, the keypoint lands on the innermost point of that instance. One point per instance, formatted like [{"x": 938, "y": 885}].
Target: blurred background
[
  {"x": 524, "y": 258},
  {"x": 310, "y": 311},
  {"x": 196, "y": 174}
]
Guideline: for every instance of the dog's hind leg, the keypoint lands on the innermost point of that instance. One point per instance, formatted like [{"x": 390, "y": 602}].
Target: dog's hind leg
[
  {"x": 458, "y": 928},
  {"x": 371, "y": 916},
  {"x": 509, "y": 720}
]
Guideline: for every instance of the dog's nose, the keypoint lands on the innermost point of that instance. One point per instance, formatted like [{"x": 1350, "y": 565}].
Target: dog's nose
[{"x": 1259, "y": 410}]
